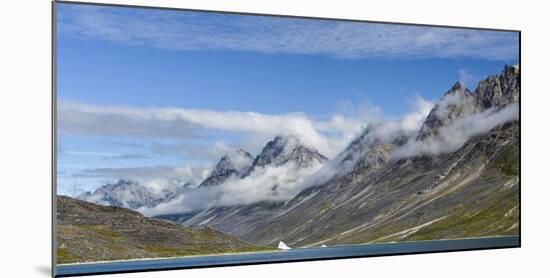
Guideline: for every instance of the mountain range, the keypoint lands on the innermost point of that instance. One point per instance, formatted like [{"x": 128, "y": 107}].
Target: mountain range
[
  {"x": 457, "y": 176},
  {"x": 132, "y": 194},
  {"x": 239, "y": 164},
  {"x": 469, "y": 191}
]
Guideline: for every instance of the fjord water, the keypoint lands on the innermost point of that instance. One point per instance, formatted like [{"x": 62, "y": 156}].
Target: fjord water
[{"x": 344, "y": 251}]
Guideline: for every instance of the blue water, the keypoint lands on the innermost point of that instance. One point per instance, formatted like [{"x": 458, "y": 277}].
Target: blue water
[{"x": 300, "y": 254}]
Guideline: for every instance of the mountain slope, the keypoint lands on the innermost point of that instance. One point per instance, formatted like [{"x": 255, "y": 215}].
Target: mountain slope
[
  {"x": 88, "y": 232},
  {"x": 471, "y": 192},
  {"x": 468, "y": 191}
]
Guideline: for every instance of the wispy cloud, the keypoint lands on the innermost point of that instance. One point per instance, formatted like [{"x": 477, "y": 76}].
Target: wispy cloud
[
  {"x": 465, "y": 77},
  {"x": 456, "y": 134},
  {"x": 90, "y": 120},
  {"x": 192, "y": 174},
  {"x": 124, "y": 144},
  {"x": 88, "y": 153},
  {"x": 206, "y": 31},
  {"x": 126, "y": 157},
  {"x": 329, "y": 136}
]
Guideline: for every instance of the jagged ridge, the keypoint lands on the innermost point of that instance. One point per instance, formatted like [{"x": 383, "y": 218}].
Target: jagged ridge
[{"x": 230, "y": 165}]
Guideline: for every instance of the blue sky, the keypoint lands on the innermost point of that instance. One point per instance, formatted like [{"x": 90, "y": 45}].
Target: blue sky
[{"x": 144, "y": 93}]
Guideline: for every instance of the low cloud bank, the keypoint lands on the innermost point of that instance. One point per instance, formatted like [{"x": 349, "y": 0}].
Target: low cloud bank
[
  {"x": 450, "y": 138},
  {"x": 268, "y": 183},
  {"x": 382, "y": 132},
  {"x": 327, "y": 136},
  {"x": 284, "y": 182},
  {"x": 188, "y": 174}
]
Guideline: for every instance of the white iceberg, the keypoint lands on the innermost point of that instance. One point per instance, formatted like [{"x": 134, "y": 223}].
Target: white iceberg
[{"x": 283, "y": 246}]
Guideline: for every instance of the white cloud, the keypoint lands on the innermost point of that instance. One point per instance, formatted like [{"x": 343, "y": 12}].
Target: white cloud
[
  {"x": 284, "y": 182},
  {"x": 160, "y": 187},
  {"x": 327, "y": 137},
  {"x": 191, "y": 174},
  {"x": 463, "y": 100},
  {"x": 420, "y": 109},
  {"x": 88, "y": 153},
  {"x": 465, "y": 77},
  {"x": 377, "y": 132},
  {"x": 269, "y": 183},
  {"x": 455, "y": 135},
  {"x": 203, "y": 31},
  {"x": 74, "y": 188},
  {"x": 149, "y": 123},
  {"x": 126, "y": 157}
]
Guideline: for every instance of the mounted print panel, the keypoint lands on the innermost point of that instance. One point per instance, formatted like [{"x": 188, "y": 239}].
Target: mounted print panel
[{"x": 189, "y": 138}]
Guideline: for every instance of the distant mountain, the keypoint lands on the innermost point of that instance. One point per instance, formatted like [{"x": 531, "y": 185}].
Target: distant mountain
[
  {"x": 234, "y": 164},
  {"x": 284, "y": 149},
  {"x": 279, "y": 152},
  {"x": 87, "y": 232},
  {"x": 131, "y": 194},
  {"x": 471, "y": 191}
]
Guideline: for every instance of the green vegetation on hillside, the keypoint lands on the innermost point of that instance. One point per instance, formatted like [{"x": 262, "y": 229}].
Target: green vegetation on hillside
[{"x": 89, "y": 233}]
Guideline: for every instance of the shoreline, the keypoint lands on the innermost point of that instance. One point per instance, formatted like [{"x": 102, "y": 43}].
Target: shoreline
[
  {"x": 168, "y": 258},
  {"x": 276, "y": 250}
]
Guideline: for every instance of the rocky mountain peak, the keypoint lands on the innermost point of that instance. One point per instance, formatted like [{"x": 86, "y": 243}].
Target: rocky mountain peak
[
  {"x": 457, "y": 87},
  {"x": 455, "y": 103},
  {"x": 284, "y": 149},
  {"x": 499, "y": 91},
  {"x": 232, "y": 164},
  {"x": 496, "y": 91},
  {"x": 242, "y": 152},
  {"x": 238, "y": 160},
  {"x": 126, "y": 193}
]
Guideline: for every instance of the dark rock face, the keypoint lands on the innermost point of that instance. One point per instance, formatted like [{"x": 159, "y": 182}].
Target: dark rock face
[
  {"x": 499, "y": 91},
  {"x": 283, "y": 150},
  {"x": 233, "y": 165},
  {"x": 87, "y": 232}
]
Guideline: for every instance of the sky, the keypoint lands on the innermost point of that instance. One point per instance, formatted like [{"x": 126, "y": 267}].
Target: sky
[{"x": 162, "y": 95}]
